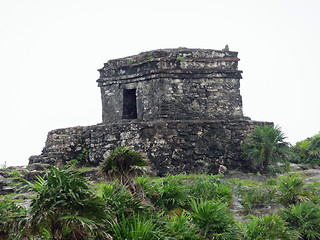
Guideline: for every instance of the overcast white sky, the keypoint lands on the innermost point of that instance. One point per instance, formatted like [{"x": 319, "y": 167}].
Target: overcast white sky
[{"x": 50, "y": 51}]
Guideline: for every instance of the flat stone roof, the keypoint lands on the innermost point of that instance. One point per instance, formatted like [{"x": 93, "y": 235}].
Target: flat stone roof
[{"x": 177, "y": 62}]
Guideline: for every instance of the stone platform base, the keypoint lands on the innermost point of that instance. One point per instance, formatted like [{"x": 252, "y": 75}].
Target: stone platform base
[{"x": 175, "y": 146}]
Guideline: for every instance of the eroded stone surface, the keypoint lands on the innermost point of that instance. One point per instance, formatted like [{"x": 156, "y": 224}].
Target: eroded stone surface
[
  {"x": 171, "y": 146},
  {"x": 172, "y": 84},
  {"x": 181, "y": 107}
]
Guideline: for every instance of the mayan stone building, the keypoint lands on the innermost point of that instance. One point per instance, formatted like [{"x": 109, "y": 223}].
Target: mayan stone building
[{"x": 181, "y": 107}]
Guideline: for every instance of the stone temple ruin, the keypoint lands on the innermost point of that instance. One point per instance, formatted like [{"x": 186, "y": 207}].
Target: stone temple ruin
[{"x": 181, "y": 107}]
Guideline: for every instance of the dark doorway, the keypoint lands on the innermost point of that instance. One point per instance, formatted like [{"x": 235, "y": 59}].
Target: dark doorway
[{"x": 129, "y": 104}]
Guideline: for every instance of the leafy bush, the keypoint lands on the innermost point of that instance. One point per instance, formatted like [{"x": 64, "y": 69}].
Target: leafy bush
[
  {"x": 210, "y": 188},
  {"x": 120, "y": 200},
  {"x": 14, "y": 174},
  {"x": 10, "y": 214},
  {"x": 305, "y": 218},
  {"x": 64, "y": 206},
  {"x": 256, "y": 196},
  {"x": 313, "y": 192},
  {"x": 271, "y": 181},
  {"x": 291, "y": 189},
  {"x": 181, "y": 227},
  {"x": 308, "y": 150},
  {"x": 169, "y": 192},
  {"x": 135, "y": 227},
  {"x": 264, "y": 146},
  {"x": 268, "y": 227},
  {"x": 214, "y": 219},
  {"x": 123, "y": 164}
]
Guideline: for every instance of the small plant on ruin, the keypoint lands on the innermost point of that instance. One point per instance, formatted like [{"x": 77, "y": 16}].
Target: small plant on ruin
[
  {"x": 226, "y": 48},
  {"x": 123, "y": 164},
  {"x": 3, "y": 166},
  {"x": 181, "y": 59},
  {"x": 265, "y": 146}
]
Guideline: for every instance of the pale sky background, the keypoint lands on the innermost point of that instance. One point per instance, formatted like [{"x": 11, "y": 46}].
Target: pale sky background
[{"x": 50, "y": 51}]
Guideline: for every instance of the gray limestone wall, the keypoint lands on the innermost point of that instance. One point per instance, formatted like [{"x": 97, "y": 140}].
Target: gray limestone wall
[
  {"x": 181, "y": 107},
  {"x": 175, "y": 146},
  {"x": 173, "y": 84}
]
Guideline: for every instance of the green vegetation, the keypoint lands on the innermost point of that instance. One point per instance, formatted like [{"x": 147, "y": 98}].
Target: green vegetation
[
  {"x": 129, "y": 204},
  {"x": 214, "y": 219},
  {"x": 305, "y": 218},
  {"x": 14, "y": 174},
  {"x": 10, "y": 215},
  {"x": 171, "y": 207},
  {"x": 123, "y": 164},
  {"x": 256, "y": 196},
  {"x": 3, "y": 166},
  {"x": 64, "y": 207},
  {"x": 291, "y": 189},
  {"x": 181, "y": 59},
  {"x": 307, "y": 151},
  {"x": 265, "y": 146},
  {"x": 268, "y": 227}
]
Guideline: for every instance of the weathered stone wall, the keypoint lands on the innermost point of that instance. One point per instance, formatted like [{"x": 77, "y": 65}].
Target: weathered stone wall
[
  {"x": 171, "y": 146},
  {"x": 181, "y": 107},
  {"x": 173, "y": 84}
]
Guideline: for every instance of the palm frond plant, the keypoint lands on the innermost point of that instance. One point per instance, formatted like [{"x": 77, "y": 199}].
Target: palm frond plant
[
  {"x": 214, "y": 219},
  {"x": 210, "y": 188},
  {"x": 308, "y": 150},
  {"x": 256, "y": 196},
  {"x": 305, "y": 218},
  {"x": 123, "y": 164},
  {"x": 268, "y": 227},
  {"x": 64, "y": 204},
  {"x": 169, "y": 192},
  {"x": 135, "y": 227},
  {"x": 10, "y": 214},
  {"x": 291, "y": 189},
  {"x": 180, "y": 226},
  {"x": 264, "y": 146},
  {"x": 121, "y": 200}
]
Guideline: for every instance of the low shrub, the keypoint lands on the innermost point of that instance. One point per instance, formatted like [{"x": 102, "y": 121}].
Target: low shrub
[
  {"x": 181, "y": 227},
  {"x": 305, "y": 218},
  {"x": 214, "y": 219},
  {"x": 123, "y": 164},
  {"x": 170, "y": 192},
  {"x": 135, "y": 227},
  {"x": 120, "y": 200},
  {"x": 308, "y": 150},
  {"x": 268, "y": 227},
  {"x": 10, "y": 215},
  {"x": 256, "y": 196},
  {"x": 211, "y": 188},
  {"x": 291, "y": 189}
]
